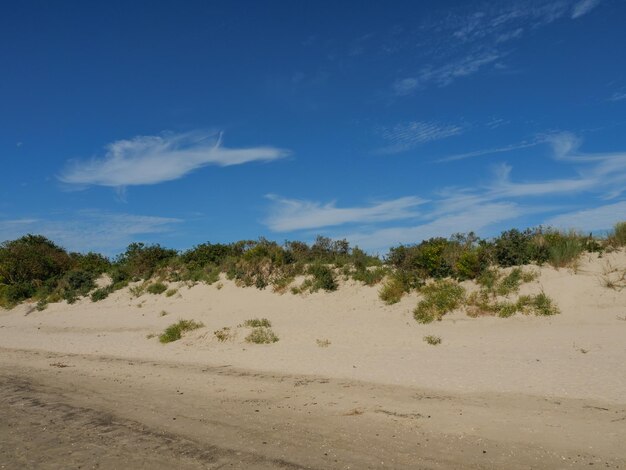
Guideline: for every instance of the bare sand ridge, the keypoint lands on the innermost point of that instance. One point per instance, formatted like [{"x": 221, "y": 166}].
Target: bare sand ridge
[{"x": 83, "y": 385}]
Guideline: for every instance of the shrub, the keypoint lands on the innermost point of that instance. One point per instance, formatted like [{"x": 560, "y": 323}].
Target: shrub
[
  {"x": 323, "y": 343},
  {"x": 257, "y": 322},
  {"x": 156, "y": 288},
  {"x": 224, "y": 334},
  {"x": 261, "y": 336},
  {"x": 563, "y": 249},
  {"x": 440, "y": 298},
  {"x": 41, "y": 305},
  {"x": 175, "y": 331},
  {"x": 141, "y": 261},
  {"x": 323, "y": 278},
  {"x": 392, "y": 291},
  {"x": 101, "y": 294},
  {"x": 543, "y": 305},
  {"x": 369, "y": 277},
  {"x": 618, "y": 237},
  {"x": 171, "y": 292},
  {"x": 432, "y": 340}
]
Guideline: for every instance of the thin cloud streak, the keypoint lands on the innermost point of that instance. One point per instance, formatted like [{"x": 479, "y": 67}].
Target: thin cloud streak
[
  {"x": 583, "y": 7},
  {"x": 90, "y": 230},
  {"x": 146, "y": 160},
  {"x": 293, "y": 214},
  {"x": 598, "y": 218},
  {"x": 405, "y": 136}
]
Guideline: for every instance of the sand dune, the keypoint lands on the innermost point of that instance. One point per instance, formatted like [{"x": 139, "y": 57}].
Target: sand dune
[{"x": 547, "y": 392}]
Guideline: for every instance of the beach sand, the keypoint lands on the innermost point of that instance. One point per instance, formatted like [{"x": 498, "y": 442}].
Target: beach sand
[{"x": 82, "y": 386}]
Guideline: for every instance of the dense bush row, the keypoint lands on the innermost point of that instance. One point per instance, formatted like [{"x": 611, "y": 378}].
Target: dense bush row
[{"x": 35, "y": 267}]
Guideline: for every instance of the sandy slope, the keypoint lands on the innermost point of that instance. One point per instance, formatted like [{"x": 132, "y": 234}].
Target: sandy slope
[{"x": 541, "y": 388}]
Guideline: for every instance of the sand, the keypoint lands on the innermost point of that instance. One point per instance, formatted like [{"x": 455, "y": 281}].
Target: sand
[{"x": 520, "y": 392}]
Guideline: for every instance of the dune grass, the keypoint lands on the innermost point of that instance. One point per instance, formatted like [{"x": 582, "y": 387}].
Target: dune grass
[{"x": 175, "y": 331}]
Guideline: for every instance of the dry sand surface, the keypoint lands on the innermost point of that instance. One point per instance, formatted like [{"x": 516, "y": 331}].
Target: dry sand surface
[{"x": 81, "y": 386}]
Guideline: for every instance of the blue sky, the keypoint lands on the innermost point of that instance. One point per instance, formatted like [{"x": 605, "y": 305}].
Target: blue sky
[{"x": 381, "y": 122}]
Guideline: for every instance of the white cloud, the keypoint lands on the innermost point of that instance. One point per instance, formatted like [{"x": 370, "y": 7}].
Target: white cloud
[
  {"x": 444, "y": 75},
  {"x": 618, "y": 96},
  {"x": 479, "y": 208},
  {"x": 595, "y": 219},
  {"x": 293, "y": 214},
  {"x": 583, "y": 7},
  {"x": 154, "y": 159},
  {"x": 87, "y": 230},
  {"x": 408, "y": 135},
  {"x": 479, "y": 218},
  {"x": 405, "y": 86},
  {"x": 478, "y": 153}
]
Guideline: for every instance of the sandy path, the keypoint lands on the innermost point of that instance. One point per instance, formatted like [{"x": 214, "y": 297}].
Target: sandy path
[{"x": 81, "y": 411}]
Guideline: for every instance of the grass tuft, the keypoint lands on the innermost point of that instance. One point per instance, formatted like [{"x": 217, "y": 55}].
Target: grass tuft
[
  {"x": 440, "y": 298},
  {"x": 432, "y": 340},
  {"x": 261, "y": 335},
  {"x": 175, "y": 331},
  {"x": 257, "y": 322},
  {"x": 156, "y": 288}
]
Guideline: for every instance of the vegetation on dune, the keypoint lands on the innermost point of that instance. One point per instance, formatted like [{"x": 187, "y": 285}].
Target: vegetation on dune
[
  {"x": 33, "y": 267},
  {"x": 262, "y": 335},
  {"x": 175, "y": 331},
  {"x": 439, "y": 298}
]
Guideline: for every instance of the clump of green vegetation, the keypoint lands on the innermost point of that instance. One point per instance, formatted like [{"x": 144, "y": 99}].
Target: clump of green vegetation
[
  {"x": 323, "y": 278},
  {"x": 257, "y": 322},
  {"x": 137, "y": 291},
  {"x": 101, "y": 294},
  {"x": 323, "y": 343},
  {"x": 392, "y": 290},
  {"x": 171, "y": 292},
  {"x": 156, "y": 288},
  {"x": 41, "y": 305},
  {"x": 261, "y": 335},
  {"x": 224, "y": 334},
  {"x": 432, "y": 340},
  {"x": 618, "y": 237},
  {"x": 440, "y": 297},
  {"x": 175, "y": 331},
  {"x": 163, "y": 313}
]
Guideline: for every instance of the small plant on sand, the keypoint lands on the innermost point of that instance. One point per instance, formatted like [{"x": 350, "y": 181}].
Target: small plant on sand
[
  {"x": 432, "y": 340},
  {"x": 175, "y": 331},
  {"x": 323, "y": 343},
  {"x": 150, "y": 335},
  {"x": 543, "y": 305},
  {"x": 100, "y": 294},
  {"x": 157, "y": 288},
  {"x": 261, "y": 336},
  {"x": 440, "y": 298},
  {"x": 171, "y": 292},
  {"x": 258, "y": 322},
  {"x": 42, "y": 305},
  {"x": 224, "y": 334},
  {"x": 323, "y": 278},
  {"x": 392, "y": 290},
  {"x": 618, "y": 237},
  {"x": 163, "y": 313},
  {"x": 137, "y": 291}
]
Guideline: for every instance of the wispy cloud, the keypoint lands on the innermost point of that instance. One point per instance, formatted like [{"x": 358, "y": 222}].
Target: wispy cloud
[
  {"x": 292, "y": 214},
  {"x": 478, "y": 219},
  {"x": 448, "y": 210},
  {"x": 470, "y": 38},
  {"x": 618, "y": 96},
  {"x": 583, "y": 7},
  {"x": 405, "y": 136},
  {"x": 90, "y": 230},
  {"x": 147, "y": 160},
  {"x": 597, "y": 218},
  {"x": 445, "y": 74},
  {"x": 490, "y": 151}
]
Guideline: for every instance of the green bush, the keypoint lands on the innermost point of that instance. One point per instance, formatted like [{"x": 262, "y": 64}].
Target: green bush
[
  {"x": 141, "y": 261},
  {"x": 261, "y": 336},
  {"x": 156, "y": 288},
  {"x": 257, "y": 322},
  {"x": 618, "y": 237},
  {"x": 101, "y": 294},
  {"x": 392, "y": 290},
  {"x": 175, "y": 331},
  {"x": 323, "y": 278},
  {"x": 441, "y": 297}
]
